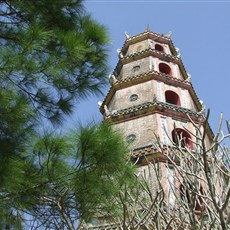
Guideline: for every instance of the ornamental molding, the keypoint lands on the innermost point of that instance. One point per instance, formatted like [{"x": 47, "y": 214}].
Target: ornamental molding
[{"x": 152, "y": 107}]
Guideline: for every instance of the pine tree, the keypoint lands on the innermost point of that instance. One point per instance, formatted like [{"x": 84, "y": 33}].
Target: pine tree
[{"x": 53, "y": 54}]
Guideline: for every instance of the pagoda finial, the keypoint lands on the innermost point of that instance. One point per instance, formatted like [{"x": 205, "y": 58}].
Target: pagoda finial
[
  {"x": 178, "y": 52},
  {"x": 112, "y": 79},
  {"x": 169, "y": 34},
  {"x": 148, "y": 28},
  {"x": 99, "y": 103},
  {"x": 127, "y": 35},
  {"x": 188, "y": 79},
  {"x": 106, "y": 110},
  {"x": 119, "y": 52}
]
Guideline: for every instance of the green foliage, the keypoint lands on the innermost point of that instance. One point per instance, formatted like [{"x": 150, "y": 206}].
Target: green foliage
[
  {"x": 51, "y": 53},
  {"x": 85, "y": 170},
  {"x": 50, "y": 155},
  {"x": 102, "y": 170},
  {"x": 15, "y": 128},
  {"x": 76, "y": 175}
]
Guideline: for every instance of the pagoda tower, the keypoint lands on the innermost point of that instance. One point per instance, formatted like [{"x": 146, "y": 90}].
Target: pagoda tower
[
  {"x": 151, "y": 93},
  {"x": 151, "y": 99}
]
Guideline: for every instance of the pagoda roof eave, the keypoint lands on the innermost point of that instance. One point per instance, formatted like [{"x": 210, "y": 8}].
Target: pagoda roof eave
[{"x": 150, "y": 108}]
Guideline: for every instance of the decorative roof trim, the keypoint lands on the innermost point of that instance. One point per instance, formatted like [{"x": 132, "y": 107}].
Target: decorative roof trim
[
  {"x": 157, "y": 76},
  {"x": 146, "y": 105},
  {"x": 142, "y": 36},
  {"x": 162, "y": 54},
  {"x": 145, "y": 154}
]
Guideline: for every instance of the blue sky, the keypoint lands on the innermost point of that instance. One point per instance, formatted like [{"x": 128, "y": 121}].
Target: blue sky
[{"x": 201, "y": 30}]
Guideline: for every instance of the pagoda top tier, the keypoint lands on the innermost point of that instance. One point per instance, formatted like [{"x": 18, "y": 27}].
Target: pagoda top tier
[
  {"x": 149, "y": 44},
  {"x": 147, "y": 34}
]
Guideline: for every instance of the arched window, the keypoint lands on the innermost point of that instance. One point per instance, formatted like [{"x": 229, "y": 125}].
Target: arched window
[
  {"x": 182, "y": 138},
  {"x": 164, "y": 68},
  {"x": 159, "y": 48},
  {"x": 172, "y": 98}
]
